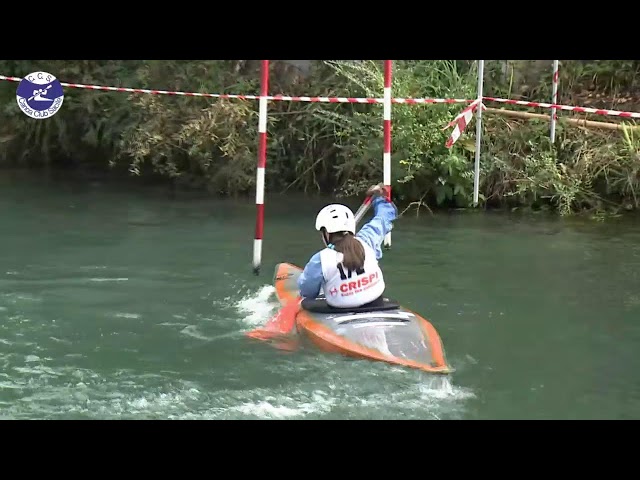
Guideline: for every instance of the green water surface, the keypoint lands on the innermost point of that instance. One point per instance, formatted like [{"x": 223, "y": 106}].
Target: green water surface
[{"x": 120, "y": 302}]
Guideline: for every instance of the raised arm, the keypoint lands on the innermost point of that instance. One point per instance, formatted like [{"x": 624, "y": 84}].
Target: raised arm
[{"x": 374, "y": 231}]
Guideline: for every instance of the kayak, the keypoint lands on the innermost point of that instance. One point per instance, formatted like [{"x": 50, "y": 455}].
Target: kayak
[{"x": 390, "y": 333}]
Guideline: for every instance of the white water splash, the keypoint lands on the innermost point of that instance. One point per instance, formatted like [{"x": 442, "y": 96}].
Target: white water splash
[
  {"x": 193, "y": 332},
  {"x": 173, "y": 324},
  {"x": 283, "y": 407},
  {"x": 440, "y": 388},
  {"x": 18, "y": 298},
  {"x": 127, "y": 315},
  {"x": 258, "y": 307},
  {"x": 101, "y": 279},
  {"x": 429, "y": 398},
  {"x": 326, "y": 391}
]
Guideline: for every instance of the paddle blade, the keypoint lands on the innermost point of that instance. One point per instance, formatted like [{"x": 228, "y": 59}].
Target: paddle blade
[{"x": 282, "y": 323}]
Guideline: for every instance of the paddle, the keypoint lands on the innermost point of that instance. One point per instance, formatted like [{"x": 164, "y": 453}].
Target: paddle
[
  {"x": 283, "y": 322},
  {"x": 36, "y": 92},
  {"x": 363, "y": 209}
]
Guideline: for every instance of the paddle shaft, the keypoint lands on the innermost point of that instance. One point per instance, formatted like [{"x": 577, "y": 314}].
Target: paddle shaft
[
  {"x": 367, "y": 204},
  {"x": 32, "y": 96},
  {"x": 363, "y": 209}
]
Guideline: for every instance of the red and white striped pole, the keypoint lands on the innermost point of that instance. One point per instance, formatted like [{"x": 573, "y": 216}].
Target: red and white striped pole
[
  {"x": 476, "y": 170},
  {"x": 554, "y": 100},
  {"x": 386, "y": 153},
  {"x": 262, "y": 163}
]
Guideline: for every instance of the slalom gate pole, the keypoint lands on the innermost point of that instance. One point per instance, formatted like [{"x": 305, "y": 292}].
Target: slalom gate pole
[
  {"x": 386, "y": 152},
  {"x": 262, "y": 163},
  {"x": 476, "y": 178},
  {"x": 554, "y": 100}
]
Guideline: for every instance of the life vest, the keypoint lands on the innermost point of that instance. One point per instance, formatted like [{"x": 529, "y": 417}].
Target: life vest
[{"x": 343, "y": 288}]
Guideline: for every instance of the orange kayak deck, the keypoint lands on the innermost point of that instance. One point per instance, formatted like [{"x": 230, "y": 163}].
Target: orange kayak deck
[{"x": 392, "y": 334}]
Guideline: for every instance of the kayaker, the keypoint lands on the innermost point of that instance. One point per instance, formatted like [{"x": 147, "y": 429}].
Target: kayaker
[{"x": 347, "y": 269}]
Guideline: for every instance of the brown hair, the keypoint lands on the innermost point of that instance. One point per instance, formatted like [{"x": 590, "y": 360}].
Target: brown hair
[{"x": 351, "y": 249}]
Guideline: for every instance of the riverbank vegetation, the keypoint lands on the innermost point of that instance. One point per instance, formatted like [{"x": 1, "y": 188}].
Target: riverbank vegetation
[{"x": 211, "y": 144}]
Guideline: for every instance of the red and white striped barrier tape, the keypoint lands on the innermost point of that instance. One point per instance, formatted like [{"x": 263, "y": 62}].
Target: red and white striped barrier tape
[
  {"x": 597, "y": 111},
  {"x": 410, "y": 101},
  {"x": 461, "y": 121}
]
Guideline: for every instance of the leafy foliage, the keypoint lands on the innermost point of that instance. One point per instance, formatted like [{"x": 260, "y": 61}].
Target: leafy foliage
[{"x": 335, "y": 148}]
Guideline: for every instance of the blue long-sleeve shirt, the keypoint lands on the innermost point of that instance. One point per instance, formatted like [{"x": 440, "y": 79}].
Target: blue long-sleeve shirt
[{"x": 372, "y": 233}]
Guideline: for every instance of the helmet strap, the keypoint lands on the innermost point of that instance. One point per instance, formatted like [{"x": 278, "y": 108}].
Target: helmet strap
[{"x": 325, "y": 239}]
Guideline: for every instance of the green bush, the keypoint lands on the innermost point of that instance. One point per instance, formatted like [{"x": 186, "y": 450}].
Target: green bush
[{"x": 329, "y": 148}]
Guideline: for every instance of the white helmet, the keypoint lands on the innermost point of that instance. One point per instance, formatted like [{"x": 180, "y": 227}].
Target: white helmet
[{"x": 336, "y": 218}]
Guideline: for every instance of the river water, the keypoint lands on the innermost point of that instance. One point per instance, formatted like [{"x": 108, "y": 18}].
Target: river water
[{"x": 120, "y": 302}]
